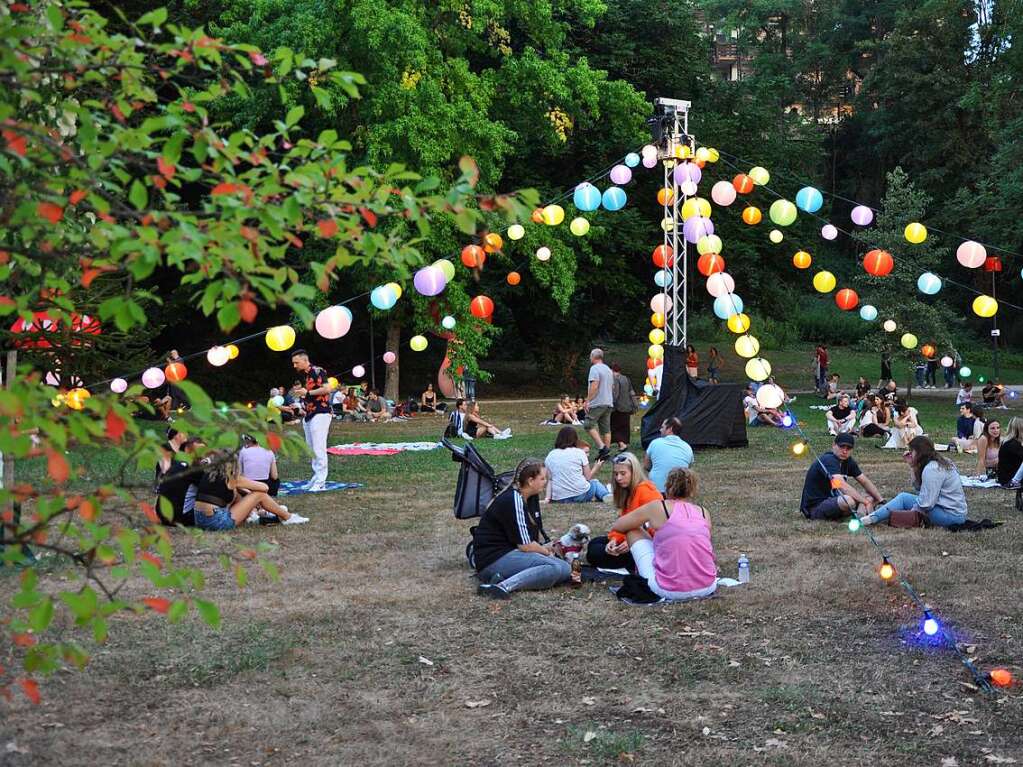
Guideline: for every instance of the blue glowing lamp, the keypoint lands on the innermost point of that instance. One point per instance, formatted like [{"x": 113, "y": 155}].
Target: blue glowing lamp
[{"x": 930, "y": 625}]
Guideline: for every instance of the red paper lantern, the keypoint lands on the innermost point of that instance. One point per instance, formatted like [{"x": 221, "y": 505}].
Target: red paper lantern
[
  {"x": 992, "y": 264},
  {"x": 176, "y": 371},
  {"x": 752, "y": 215},
  {"x": 664, "y": 256},
  {"x": 710, "y": 263},
  {"x": 846, "y": 299},
  {"x": 878, "y": 263},
  {"x": 928, "y": 351},
  {"x": 481, "y": 307},
  {"x": 743, "y": 184},
  {"x": 473, "y": 256},
  {"x": 514, "y": 278},
  {"x": 651, "y": 363}
]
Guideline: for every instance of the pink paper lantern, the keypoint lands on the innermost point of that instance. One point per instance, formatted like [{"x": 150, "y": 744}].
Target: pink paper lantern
[
  {"x": 697, "y": 227},
  {"x": 389, "y": 357},
  {"x": 971, "y": 254},
  {"x": 333, "y": 322},
  {"x": 118, "y": 386},
  {"x": 687, "y": 171},
  {"x": 153, "y": 378},
  {"x": 723, "y": 193},
  {"x": 358, "y": 371},
  {"x": 621, "y": 174},
  {"x": 861, "y": 215},
  {"x": 720, "y": 284},
  {"x": 649, "y": 160},
  {"x": 429, "y": 281},
  {"x": 829, "y": 232}
]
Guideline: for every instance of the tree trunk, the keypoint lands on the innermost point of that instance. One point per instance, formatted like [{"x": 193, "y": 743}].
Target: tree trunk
[
  {"x": 394, "y": 346},
  {"x": 7, "y": 463}
]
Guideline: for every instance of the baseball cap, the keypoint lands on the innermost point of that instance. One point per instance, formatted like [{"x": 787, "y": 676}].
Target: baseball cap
[{"x": 845, "y": 439}]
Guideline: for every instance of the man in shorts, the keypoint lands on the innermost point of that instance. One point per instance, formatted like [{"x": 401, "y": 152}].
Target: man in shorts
[
  {"x": 826, "y": 491},
  {"x": 599, "y": 403}
]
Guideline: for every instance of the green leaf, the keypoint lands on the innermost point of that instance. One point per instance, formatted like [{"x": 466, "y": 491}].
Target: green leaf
[
  {"x": 99, "y": 629},
  {"x": 209, "y": 612},
  {"x": 56, "y": 18},
  {"x": 294, "y": 115},
  {"x": 39, "y": 619},
  {"x": 155, "y": 17},
  {"x": 241, "y": 575},
  {"x": 201, "y": 404},
  {"x": 177, "y": 611},
  {"x": 138, "y": 196}
]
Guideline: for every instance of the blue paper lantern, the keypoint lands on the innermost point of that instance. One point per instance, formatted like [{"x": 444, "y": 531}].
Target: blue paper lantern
[
  {"x": 868, "y": 313},
  {"x": 662, "y": 279},
  {"x": 632, "y": 159},
  {"x": 727, "y": 306},
  {"x": 614, "y": 198},
  {"x": 586, "y": 197},
  {"x": 383, "y": 298},
  {"x": 929, "y": 283},
  {"x": 809, "y": 199}
]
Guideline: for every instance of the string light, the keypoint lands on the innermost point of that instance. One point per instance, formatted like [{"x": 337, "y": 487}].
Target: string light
[
  {"x": 1001, "y": 677},
  {"x": 886, "y": 571},
  {"x": 854, "y": 524},
  {"x": 798, "y": 448},
  {"x": 930, "y": 625}
]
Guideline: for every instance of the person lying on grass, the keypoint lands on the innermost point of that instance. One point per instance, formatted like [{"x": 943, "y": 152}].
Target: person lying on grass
[
  {"x": 632, "y": 489},
  {"x": 936, "y": 479},
  {"x": 670, "y": 541},
  {"x": 826, "y": 490},
  {"x": 507, "y": 551},
  {"x": 226, "y": 499}
]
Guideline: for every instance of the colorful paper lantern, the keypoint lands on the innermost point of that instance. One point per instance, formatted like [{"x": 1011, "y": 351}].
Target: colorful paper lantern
[
  {"x": 553, "y": 214},
  {"x": 513, "y": 278},
  {"x": 824, "y": 282},
  {"x": 429, "y": 281},
  {"x": 868, "y": 313},
  {"x": 663, "y": 278},
  {"x": 332, "y": 322},
  {"x": 656, "y": 336},
  {"x": 727, "y": 305},
  {"x": 829, "y": 232},
  {"x": 703, "y": 154},
  {"x": 709, "y": 244},
  {"x": 660, "y": 304},
  {"x": 861, "y": 215},
  {"x": 621, "y": 175},
  {"x": 518, "y": 231},
  {"x": 649, "y": 161},
  {"x": 579, "y": 226},
  {"x": 543, "y": 253},
  {"x": 720, "y": 283},
  {"x": 687, "y": 171},
  {"x": 75, "y": 398},
  {"x": 118, "y": 386},
  {"x": 657, "y": 320},
  {"x": 971, "y": 254},
  {"x": 710, "y": 263},
  {"x": 760, "y": 176},
  {"x": 418, "y": 343},
  {"x": 809, "y": 199},
  {"x": 743, "y": 184},
  {"x": 655, "y": 352},
  {"x": 775, "y": 236},
  {"x": 878, "y": 263},
  {"x": 889, "y": 326},
  {"x": 665, "y": 196},
  {"x": 632, "y": 159},
  {"x": 695, "y": 206},
  {"x": 668, "y": 224},
  {"x": 770, "y": 396},
  {"x": 448, "y": 322},
  {"x": 965, "y": 372},
  {"x": 985, "y": 306},
  {"x": 152, "y": 378},
  {"x": 846, "y": 299},
  {"x": 928, "y": 351},
  {"x": 586, "y": 197},
  {"x": 752, "y": 215},
  {"x": 946, "y": 361},
  {"x": 802, "y": 260},
  {"x": 280, "y": 337},
  {"x": 739, "y": 323},
  {"x": 389, "y": 358},
  {"x": 663, "y": 256},
  {"x": 697, "y": 227},
  {"x": 916, "y": 233},
  {"x": 473, "y": 256},
  {"x": 233, "y": 351},
  {"x": 908, "y": 341},
  {"x": 176, "y": 371},
  {"x": 358, "y": 371},
  {"x": 747, "y": 346},
  {"x": 481, "y": 307},
  {"x": 723, "y": 194},
  {"x": 758, "y": 369},
  {"x": 396, "y": 288},
  {"x": 929, "y": 283},
  {"x": 614, "y": 198},
  {"x": 782, "y": 212},
  {"x": 492, "y": 242},
  {"x": 383, "y": 298}
]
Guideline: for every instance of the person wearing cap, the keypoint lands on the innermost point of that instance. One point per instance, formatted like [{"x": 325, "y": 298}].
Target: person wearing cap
[{"x": 826, "y": 490}]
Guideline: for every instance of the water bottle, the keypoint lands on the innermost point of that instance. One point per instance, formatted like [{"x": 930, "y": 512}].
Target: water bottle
[{"x": 743, "y": 569}]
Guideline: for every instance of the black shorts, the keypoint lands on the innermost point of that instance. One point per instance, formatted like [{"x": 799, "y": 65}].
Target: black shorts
[{"x": 826, "y": 509}]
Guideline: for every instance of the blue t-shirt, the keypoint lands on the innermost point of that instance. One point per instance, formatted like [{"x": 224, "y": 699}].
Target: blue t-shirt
[
  {"x": 817, "y": 486},
  {"x": 665, "y": 454}
]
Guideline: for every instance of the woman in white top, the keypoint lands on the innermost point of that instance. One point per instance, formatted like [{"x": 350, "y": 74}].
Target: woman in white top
[
  {"x": 571, "y": 476},
  {"x": 905, "y": 427}
]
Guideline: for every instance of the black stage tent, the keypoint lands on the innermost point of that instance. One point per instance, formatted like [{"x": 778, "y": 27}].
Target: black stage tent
[{"x": 711, "y": 414}]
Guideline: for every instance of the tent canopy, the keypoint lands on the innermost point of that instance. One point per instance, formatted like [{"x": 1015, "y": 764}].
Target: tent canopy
[{"x": 712, "y": 414}]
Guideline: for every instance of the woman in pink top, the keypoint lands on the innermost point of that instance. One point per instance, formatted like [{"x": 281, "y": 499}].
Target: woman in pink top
[{"x": 670, "y": 541}]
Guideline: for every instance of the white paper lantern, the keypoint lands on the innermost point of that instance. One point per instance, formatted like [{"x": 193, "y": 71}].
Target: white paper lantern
[
  {"x": 770, "y": 396},
  {"x": 720, "y": 284},
  {"x": 118, "y": 386},
  {"x": 358, "y": 371},
  {"x": 152, "y": 378},
  {"x": 946, "y": 362},
  {"x": 334, "y": 322},
  {"x": 218, "y": 355}
]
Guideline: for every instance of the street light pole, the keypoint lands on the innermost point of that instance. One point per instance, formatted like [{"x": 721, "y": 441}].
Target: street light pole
[{"x": 994, "y": 329}]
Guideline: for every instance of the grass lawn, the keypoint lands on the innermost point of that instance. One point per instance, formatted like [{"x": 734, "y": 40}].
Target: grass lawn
[{"x": 373, "y": 648}]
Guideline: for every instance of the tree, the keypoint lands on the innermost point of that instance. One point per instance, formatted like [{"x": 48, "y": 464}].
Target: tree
[{"x": 112, "y": 166}]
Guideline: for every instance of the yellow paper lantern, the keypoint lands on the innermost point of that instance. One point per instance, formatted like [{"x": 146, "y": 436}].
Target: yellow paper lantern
[
  {"x": 656, "y": 336},
  {"x": 516, "y": 232},
  {"x": 695, "y": 206},
  {"x": 824, "y": 282},
  {"x": 579, "y": 226},
  {"x": 709, "y": 243},
  {"x": 553, "y": 215},
  {"x": 667, "y": 224},
  {"x": 916, "y": 233},
  {"x": 775, "y": 236},
  {"x": 418, "y": 343},
  {"x": 889, "y": 326},
  {"x": 703, "y": 154},
  {"x": 758, "y": 369},
  {"x": 333, "y": 382},
  {"x": 683, "y": 151},
  {"x": 76, "y": 398},
  {"x": 655, "y": 352},
  {"x": 760, "y": 176},
  {"x": 280, "y": 337},
  {"x": 747, "y": 346},
  {"x": 908, "y": 341},
  {"x": 443, "y": 264},
  {"x": 713, "y": 154},
  {"x": 657, "y": 320},
  {"x": 232, "y": 352},
  {"x": 739, "y": 323},
  {"x": 397, "y": 288},
  {"x": 985, "y": 306}
]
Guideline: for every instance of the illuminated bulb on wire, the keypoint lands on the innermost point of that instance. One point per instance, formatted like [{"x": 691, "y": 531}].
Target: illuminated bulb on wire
[
  {"x": 886, "y": 571},
  {"x": 930, "y": 625},
  {"x": 786, "y": 420},
  {"x": 798, "y": 448},
  {"x": 854, "y": 525}
]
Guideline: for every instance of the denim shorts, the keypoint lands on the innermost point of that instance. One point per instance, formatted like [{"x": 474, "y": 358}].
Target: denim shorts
[{"x": 221, "y": 519}]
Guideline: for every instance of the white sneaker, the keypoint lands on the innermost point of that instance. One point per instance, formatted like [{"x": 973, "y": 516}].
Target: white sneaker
[
  {"x": 315, "y": 488},
  {"x": 252, "y": 519},
  {"x": 295, "y": 519}
]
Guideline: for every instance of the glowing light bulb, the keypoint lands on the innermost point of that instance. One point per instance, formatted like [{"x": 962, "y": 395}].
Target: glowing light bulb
[
  {"x": 798, "y": 448},
  {"x": 854, "y": 525},
  {"x": 930, "y": 625},
  {"x": 886, "y": 571},
  {"x": 786, "y": 420}
]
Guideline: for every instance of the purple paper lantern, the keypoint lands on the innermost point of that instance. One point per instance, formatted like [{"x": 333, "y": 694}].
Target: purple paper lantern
[
  {"x": 687, "y": 171},
  {"x": 829, "y": 232},
  {"x": 697, "y": 227},
  {"x": 621, "y": 175},
  {"x": 429, "y": 281},
  {"x": 649, "y": 160},
  {"x": 861, "y": 215}
]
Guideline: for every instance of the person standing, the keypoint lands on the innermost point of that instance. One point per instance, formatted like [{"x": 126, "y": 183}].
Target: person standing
[
  {"x": 820, "y": 358},
  {"x": 692, "y": 362},
  {"x": 599, "y": 401},
  {"x": 624, "y": 399},
  {"x": 714, "y": 365},
  {"x": 315, "y": 395},
  {"x": 886, "y": 369}
]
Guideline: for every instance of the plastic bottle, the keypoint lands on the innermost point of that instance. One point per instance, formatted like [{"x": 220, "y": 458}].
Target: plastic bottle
[{"x": 743, "y": 569}]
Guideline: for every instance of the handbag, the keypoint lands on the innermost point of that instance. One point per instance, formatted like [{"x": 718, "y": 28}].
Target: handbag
[{"x": 907, "y": 518}]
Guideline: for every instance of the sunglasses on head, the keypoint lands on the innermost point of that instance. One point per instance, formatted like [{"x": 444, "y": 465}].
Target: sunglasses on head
[{"x": 620, "y": 459}]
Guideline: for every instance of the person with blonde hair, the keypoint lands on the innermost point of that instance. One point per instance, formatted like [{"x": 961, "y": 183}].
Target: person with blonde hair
[
  {"x": 632, "y": 489},
  {"x": 670, "y": 541},
  {"x": 1010, "y": 455},
  {"x": 225, "y": 498}
]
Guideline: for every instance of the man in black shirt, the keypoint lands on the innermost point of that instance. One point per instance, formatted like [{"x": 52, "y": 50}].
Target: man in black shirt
[{"x": 826, "y": 490}]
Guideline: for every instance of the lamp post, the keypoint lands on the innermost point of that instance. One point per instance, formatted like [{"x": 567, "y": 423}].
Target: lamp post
[{"x": 993, "y": 265}]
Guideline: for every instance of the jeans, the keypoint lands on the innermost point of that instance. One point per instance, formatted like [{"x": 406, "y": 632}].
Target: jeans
[
  {"x": 470, "y": 388},
  {"x": 597, "y": 490},
  {"x": 1018, "y": 476},
  {"x": 920, "y": 372},
  {"x": 316, "y": 429},
  {"x": 643, "y": 553},
  {"x": 905, "y": 501},
  {"x": 221, "y": 519},
  {"x": 950, "y": 377},
  {"x": 527, "y": 570}
]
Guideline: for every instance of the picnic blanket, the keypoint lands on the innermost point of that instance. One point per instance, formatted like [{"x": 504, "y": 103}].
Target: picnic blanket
[
  {"x": 979, "y": 482},
  {"x": 380, "y": 448},
  {"x": 297, "y": 488},
  {"x": 726, "y": 582}
]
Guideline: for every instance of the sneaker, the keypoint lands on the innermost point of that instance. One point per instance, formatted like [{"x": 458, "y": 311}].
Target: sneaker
[
  {"x": 270, "y": 519},
  {"x": 604, "y": 454},
  {"x": 1010, "y": 485},
  {"x": 492, "y": 590},
  {"x": 609, "y": 498},
  {"x": 315, "y": 488},
  {"x": 868, "y": 519},
  {"x": 295, "y": 519},
  {"x": 252, "y": 519}
]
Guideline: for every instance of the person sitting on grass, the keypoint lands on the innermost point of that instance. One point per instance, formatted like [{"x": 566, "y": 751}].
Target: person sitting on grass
[
  {"x": 833, "y": 388},
  {"x": 1010, "y": 456},
  {"x": 889, "y": 392},
  {"x": 475, "y": 427},
  {"x": 965, "y": 393},
  {"x": 507, "y": 551},
  {"x": 876, "y": 421},
  {"x": 258, "y": 464},
  {"x": 428, "y": 400},
  {"x": 376, "y": 408},
  {"x": 670, "y": 541},
  {"x": 841, "y": 418},
  {"x": 632, "y": 489},
  {"x": 580, "y": 409},
  {"x": 862, "y": 395},
  {"x": 667, "y": 452},
  {"x": 826, "y": 490},
  {"x": 940, "y": 497},
  {"x": 755, "y": 414},
  {"x": 571, "y": 479},
  {"x": 987, "y": 449},
  {"x": 351, "y": 408},
  {"x": 969, "y": 427},
  {"x": 904, "y": 426},
  {"x": 225, "y": 498},
  {"x": 564, "y": 411},
  {"x": 993, "y": 394}
]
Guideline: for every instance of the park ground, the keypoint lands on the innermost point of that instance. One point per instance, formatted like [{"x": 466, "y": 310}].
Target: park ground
[{"x": 374, "y": 649}]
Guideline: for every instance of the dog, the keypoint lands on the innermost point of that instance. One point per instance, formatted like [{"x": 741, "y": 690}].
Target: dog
[{"x": 573, "y": 543}]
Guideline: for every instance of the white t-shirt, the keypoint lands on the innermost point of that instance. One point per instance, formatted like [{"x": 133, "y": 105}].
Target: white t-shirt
[
  {"x": 566, "y": 467},
  {"x": 602, "y": 374},
  {"x": 751, "y": 407}
]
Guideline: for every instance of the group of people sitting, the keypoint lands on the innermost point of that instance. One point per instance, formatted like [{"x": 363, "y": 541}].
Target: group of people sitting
[
  {"x": 999, "y": 451},
  {"x": 569, "y": 411},
  {"x": 220, "y": 491},
  {"x": 352, "y": 403},
  {"x": 466, "y": 422}
]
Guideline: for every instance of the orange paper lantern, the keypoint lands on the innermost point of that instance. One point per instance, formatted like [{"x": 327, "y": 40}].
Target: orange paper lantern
[
  {"x": 846, "y": 299},
  {"x": 176, "y": 371},
  {"x": 802, "y": 260},
  {"x": 657, "y": 320},
  {"x": 514, "y": 278},
  {"x": 1001, "y": 677},
  {"x": 710, "y": 263},
  {"x": 664, "y": 256},
  {"x": 665, "y": 196},
  {"x": 878, "y": 262},
  {"x": 752, "y": 215},
  {"x": 743, "y": 184},
  {"x": 492, "y": 242},
  {"x": 481, "y": 307},
  {"x": 928, "y": 351},
  {"x": 473, "y": 256},
  {"x": 537, "y": 216}
]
